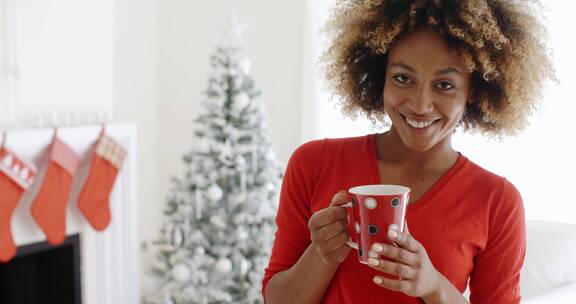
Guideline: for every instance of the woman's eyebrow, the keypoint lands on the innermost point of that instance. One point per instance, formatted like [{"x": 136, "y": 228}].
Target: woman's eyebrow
[
  {"x": 445, "y": 71},
  {"x": 404, "y": 66},
  {"x": 449, "y": 70}
]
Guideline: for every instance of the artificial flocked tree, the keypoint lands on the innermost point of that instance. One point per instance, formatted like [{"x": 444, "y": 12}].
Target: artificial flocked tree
[{"x": 219, "y": 227}]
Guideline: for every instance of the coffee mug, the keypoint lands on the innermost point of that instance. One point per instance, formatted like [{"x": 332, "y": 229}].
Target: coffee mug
[{"x": 372, "y": 211}]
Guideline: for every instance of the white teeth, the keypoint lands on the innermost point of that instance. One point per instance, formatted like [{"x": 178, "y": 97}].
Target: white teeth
[{"x": 420, "y": 124}]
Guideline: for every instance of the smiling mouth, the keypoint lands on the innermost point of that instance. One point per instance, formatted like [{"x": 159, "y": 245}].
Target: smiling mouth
[{"x": 420, "y": 124}]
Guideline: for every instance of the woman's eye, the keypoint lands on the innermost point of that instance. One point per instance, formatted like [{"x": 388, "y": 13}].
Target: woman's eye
[
  {"x": 401, "y": 78},
  {"x": 444, "y": 85}
]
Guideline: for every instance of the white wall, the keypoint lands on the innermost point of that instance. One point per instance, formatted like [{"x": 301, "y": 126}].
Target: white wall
[
  {"x": 136, "y": 98},
  {"x": 321, "y": 116},
  {"x": 188, "y": 32},
  {"x": 64, "y": 56}
]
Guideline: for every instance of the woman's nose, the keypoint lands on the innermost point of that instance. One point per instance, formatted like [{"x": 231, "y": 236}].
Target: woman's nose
[{"x": 422, "y": 102}]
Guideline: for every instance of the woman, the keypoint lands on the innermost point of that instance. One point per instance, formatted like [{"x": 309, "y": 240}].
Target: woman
[{"x": 429, "y": 67}]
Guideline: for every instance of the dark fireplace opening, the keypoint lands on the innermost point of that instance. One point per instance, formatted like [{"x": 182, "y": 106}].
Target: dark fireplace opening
[{"x": 42, "y": 273}]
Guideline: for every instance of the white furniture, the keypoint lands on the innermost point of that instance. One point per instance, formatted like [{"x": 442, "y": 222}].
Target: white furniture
[{"x": 549, "y": 273}]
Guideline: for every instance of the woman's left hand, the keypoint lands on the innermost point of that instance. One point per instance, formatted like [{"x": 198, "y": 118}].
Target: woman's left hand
[{"x": 409, "y": 261}]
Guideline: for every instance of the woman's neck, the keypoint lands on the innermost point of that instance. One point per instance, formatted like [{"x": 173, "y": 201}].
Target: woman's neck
[{"x": 391, "y": 148}]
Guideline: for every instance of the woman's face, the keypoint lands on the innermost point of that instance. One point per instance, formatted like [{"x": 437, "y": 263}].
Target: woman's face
[{"x": 426, "y": 89}]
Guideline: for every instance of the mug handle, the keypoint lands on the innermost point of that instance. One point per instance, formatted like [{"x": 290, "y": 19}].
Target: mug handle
[{"x": 350, "y": 206}]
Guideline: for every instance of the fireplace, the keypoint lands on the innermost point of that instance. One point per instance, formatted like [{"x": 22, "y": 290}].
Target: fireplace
[
  {"x": 42, "y": 273},
  {"x": 107, "y": 261}
]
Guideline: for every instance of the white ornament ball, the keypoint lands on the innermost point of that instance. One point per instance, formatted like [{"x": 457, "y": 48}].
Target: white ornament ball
[
  {"x": 244, "y": 266},
  {"x": 241, "y": 101},
  {"x": 200, "y": 250},
  {"x": 242, "y": 233},
  {"x": 223, "y": 265},
  {"x": 181, "y": 273},
  {"x": 244, "y": 65},
  {"x": 214, "y": 193},
  {"x": 270, "y": 186}
]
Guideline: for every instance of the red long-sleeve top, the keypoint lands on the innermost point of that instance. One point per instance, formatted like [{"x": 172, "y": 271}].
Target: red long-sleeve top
[{"x": 471, "y": 223}]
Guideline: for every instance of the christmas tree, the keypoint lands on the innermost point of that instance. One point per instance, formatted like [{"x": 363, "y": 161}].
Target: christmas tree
[{"x": 219, "y": 227}]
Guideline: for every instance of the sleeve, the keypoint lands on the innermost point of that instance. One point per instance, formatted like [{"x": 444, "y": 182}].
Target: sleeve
[
  {"x": 292, "y": 235},
  {"x": 496, "y": 274}
]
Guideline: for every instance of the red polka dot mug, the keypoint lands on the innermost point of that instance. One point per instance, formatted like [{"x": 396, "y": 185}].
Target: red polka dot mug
[{"x": 371, "y": 211}]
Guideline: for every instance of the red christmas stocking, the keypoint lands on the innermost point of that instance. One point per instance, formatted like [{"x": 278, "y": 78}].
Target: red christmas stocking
[
  {"x": 93, "y": 201},
  {"x": 49, "y": 207},
  {"x": 15, "y": 177}
]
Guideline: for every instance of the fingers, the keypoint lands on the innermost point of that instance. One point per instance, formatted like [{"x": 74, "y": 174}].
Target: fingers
[
  {"x": 401, "y": 270},
  {"x": 404, "y": 240},
  {"x": 395, "y": 253},
  {"x": 326, "y": 216},
  {"x": 397, "y": 285},
  {"x": 340, "y": 198},
  {"x": 331, "y": 214},
  {"x": 332, "y": 249},
  {"x": 329, "y": 231},
  {"x": 332, "y": 244}
]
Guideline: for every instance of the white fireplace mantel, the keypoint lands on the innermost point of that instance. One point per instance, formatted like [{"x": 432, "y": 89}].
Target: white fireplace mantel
[{"x": 109, "y": 259}]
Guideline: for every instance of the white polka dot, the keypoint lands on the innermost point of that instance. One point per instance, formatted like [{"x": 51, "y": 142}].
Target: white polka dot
[{"x": 370, "y": 203}]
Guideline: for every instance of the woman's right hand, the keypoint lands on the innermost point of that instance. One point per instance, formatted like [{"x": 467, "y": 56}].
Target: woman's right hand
[{"x": 329, "y": 230}]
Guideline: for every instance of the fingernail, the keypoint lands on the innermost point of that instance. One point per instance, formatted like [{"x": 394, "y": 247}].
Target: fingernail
[
  {"x": 377, "y": 280},
  {"x": 373, "y": 262},
  {"x": 393, "y": 227},
  {"x": 392, "y": 234},
  {"x": 377, "y": 248},
  {"x": 372, "y": 254}
]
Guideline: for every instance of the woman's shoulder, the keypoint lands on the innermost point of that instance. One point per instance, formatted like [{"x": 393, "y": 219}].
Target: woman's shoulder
[
  {"x": 488, "y": 179},
  {"x": 327, "y": 145},
  {"x": 478, "y": 172},
  {"x": 329, "y": 150}
]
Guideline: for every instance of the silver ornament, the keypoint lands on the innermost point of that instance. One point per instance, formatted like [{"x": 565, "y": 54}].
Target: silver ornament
[
  {"x": 214, "y": 193},
  {"x": 181, "y": 273},
  {"x": 223, "y": 265}
]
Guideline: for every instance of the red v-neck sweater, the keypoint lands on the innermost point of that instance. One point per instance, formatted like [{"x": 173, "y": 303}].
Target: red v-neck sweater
[{"x": 471, "y": 223}]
